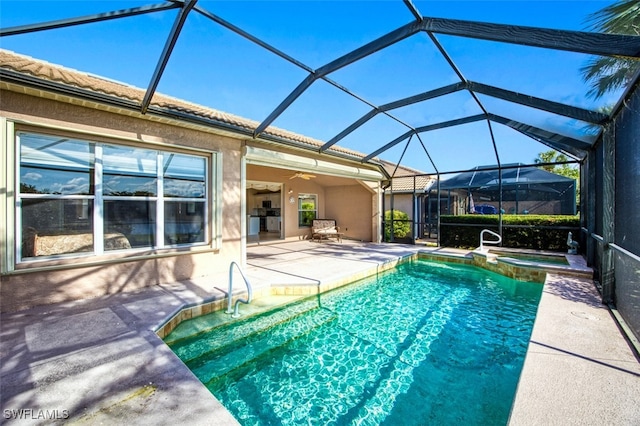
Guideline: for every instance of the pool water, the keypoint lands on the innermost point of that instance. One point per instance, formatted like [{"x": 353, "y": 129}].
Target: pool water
[{"x": 426, "y": 343}]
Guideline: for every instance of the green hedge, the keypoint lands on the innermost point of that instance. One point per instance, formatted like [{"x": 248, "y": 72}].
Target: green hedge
[{"x": 538, "y": 232}]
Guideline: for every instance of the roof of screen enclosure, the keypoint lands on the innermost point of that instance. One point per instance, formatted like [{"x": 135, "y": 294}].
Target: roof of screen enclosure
[
  {"x": 574, "y": 146},
  {"x": 513, "y": 175}
]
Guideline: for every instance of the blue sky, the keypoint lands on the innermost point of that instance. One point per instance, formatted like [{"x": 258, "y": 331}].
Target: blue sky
[{"x": 214, "y": 67}]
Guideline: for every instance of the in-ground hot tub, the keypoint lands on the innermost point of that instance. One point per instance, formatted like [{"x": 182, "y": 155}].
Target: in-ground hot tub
[{"x": 531, "y": 265}]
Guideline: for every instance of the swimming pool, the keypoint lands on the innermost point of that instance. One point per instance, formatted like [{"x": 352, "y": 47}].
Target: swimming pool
[{"x": 426, "y": 343}]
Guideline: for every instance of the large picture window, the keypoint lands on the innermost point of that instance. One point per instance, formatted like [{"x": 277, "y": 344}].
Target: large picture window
[{"x": 79, "y": 196}]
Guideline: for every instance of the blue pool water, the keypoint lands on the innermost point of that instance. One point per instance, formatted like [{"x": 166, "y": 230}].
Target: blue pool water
[{"x": 425, "y": 344}]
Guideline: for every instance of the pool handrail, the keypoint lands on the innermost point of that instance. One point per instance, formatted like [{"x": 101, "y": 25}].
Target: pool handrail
[
  {"x": 483, "y": 241},
  {"x": 235, "y": 311}
]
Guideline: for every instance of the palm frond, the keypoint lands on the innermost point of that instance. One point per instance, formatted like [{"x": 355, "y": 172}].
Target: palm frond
[
  {"x": 622, "y": 17},
  {"x": 606, "y": 74}
]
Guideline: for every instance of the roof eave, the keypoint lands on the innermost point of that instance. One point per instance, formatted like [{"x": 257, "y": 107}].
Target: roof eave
[{"x": 10, "y": 77}]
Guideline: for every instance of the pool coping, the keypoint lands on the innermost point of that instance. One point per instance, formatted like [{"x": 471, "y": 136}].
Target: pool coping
[
  {"x": 101, "y": 359},
  {"x": 579, "y": 368}
]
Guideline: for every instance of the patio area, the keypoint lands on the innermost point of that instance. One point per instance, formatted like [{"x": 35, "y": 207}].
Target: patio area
[{"x": 100, "y": 360}]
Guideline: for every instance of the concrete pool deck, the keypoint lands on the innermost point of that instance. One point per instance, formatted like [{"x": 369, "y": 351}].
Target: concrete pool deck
[{"x": 100, "y": 360}]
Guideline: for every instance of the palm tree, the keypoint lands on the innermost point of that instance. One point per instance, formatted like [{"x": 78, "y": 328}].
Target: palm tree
[{"x": 610, "y": 73}]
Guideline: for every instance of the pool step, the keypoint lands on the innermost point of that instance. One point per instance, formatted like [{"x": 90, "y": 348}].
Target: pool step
[
  {"x": 203, "y": 324},
  {"x": 223, "y": 336},
  {"x": 215, "y": 364}
]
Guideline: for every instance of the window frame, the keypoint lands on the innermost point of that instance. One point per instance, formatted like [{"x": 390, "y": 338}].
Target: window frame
[
  {"x": 302, "y": 196},
  {"x": 210, "y": 199}
]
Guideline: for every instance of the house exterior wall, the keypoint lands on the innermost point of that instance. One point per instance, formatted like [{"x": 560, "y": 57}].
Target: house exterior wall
[
  {"x": 401, "y": 202},
  {"x": 352, "y": 207},
  {"x": 28, "y": 284}
]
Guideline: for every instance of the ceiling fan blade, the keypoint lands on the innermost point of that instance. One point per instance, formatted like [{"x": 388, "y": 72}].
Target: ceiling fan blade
[{"x": 305, "y": 176}]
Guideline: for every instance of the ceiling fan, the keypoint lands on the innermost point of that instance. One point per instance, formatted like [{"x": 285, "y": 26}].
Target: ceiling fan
[{"x": 305, "y": 176}]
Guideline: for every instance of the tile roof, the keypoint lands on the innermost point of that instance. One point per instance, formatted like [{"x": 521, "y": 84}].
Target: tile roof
[
  {"x": 398, "y": 170},
  {"x": 82, "y": 80},
  {"x": 406, "y": 183}
]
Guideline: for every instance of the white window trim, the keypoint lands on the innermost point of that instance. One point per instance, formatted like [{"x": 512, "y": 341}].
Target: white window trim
[
  {"x": 215, "y": 198},
  {"x": 98, "y": 204}
]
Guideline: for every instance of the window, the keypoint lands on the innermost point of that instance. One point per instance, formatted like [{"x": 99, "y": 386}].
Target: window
[
  {"x": 307, "y": 209},
  {"x": 79, "y": 196},
  {"x": 184, "y": 191}
]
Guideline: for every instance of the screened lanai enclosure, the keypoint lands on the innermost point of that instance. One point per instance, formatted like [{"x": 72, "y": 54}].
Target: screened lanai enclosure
[
  {"x": 436, "y": 87},
  {"x": 512, "y": 189}
]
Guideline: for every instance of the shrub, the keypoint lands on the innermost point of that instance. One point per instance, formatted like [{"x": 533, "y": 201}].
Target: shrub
[{"x": 401, "y": 225}]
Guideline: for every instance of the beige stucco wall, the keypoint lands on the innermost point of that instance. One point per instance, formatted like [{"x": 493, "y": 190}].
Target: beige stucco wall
[
  {"x": 353, "y": 208},
  {"x": 401, "y": 202},
  {"x": 37, "y": 283}
]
